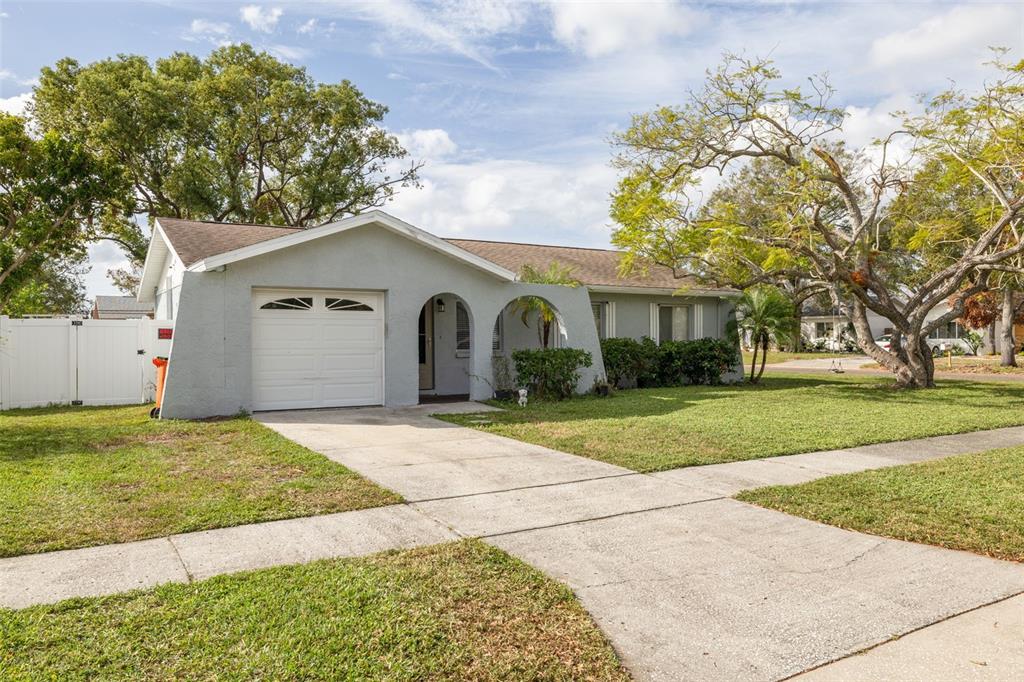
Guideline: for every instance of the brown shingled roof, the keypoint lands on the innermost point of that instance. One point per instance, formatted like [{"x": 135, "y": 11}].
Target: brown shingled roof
[
  {"x": 194, "y": 240},
  {"x": 593, "y": 267}
]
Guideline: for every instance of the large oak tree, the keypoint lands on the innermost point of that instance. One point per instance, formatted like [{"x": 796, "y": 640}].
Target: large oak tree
[
  {"x": 826, "y": 217},
  {"x": 54, "y": 194},
  {"x": 238, "y": 136}
]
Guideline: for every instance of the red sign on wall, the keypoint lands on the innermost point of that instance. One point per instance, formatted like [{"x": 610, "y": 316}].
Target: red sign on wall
[{"x": 164, "y": 332}]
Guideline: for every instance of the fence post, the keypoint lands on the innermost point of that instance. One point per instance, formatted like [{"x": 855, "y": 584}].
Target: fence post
[{"x": 4, "y": 360}]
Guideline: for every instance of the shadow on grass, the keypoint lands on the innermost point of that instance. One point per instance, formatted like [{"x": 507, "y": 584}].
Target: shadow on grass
[
  {"x": 852, "y": 391},
  {"x": 51, "y": 432}
]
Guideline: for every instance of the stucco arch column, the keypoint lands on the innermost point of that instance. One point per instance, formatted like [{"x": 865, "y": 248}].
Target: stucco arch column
[
  {"x": 481, "y": 366},
  {"x": 573, "y": 306}
]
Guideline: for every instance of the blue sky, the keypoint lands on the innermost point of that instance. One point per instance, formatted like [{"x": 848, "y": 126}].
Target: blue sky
[{"x": 511, "y": 104}]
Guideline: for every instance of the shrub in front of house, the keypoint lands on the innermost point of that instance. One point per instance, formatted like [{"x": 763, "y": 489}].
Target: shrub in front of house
[
  {"x": 551, "y": 373},
  {"x": 704, "y": 361},
  {"x": 624, "y": 361},
  {"x": 646, "y": 364}
]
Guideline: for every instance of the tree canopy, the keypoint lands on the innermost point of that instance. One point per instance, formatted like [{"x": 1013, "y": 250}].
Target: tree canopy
[
  {"x": 237, "y": 137},
  {"x": 797, "y": 204},
  {"x": 53, "y": 194}
]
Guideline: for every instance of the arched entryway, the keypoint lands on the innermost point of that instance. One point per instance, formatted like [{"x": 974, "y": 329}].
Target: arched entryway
[
  {"x": 444, "y": 348},
  {"x": 530, "y": 322},
  {"x": 525, "y": 323}
]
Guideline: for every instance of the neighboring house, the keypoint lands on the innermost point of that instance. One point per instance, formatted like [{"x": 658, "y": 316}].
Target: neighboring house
[
  {"x": 373, "y": 311},
  {"x": 827, "y": 327},
  {"x": 120, "y": 308}
]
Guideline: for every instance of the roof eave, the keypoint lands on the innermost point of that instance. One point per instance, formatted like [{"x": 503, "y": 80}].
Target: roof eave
[
  {"x": 379, "y": 217},
  {"x": 660, "y": 291},
  {"x": 159, "y": 247}
]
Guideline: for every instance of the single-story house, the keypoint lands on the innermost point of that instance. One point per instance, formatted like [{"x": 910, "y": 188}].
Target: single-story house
[
  {"x": 371, "y": 310},
  {"x": 120, "y": 308},
  {"x": 825, "y": 326}
]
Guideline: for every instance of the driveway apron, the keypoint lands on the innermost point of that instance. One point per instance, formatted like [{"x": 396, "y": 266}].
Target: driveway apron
[{"x": 686, "y": 582}]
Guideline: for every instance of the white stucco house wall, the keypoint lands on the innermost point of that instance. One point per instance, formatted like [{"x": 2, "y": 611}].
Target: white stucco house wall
[{"x": 371, "y": 310}]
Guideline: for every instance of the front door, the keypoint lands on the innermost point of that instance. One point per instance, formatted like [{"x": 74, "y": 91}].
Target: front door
[{"x": 426, "y": 347}]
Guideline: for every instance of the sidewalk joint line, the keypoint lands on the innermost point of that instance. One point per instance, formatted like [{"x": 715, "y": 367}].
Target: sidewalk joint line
[
  {"x": 607, "y": 516},
  {"x": 525, "y": 487},
  {"x": 905, "y": 634},
  {"x": 184, "y": 567}
]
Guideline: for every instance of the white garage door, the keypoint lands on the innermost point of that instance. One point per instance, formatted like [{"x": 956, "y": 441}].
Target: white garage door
[{"x": 317, "y": 349}]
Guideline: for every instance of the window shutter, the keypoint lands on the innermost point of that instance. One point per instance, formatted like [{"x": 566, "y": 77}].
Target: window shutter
[
  {"x": 496, "y": 336},
  {"x": 462, "y": 331}
]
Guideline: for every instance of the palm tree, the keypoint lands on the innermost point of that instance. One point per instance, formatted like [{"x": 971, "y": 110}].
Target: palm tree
[
  {"x": 536, "y": 307},
  {"x": 767, "y": 315}
]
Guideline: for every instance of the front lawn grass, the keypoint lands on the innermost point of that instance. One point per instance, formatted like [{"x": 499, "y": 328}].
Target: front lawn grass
[
  {"x": 666, "y": 428},
  {"x": 969, "y": 502},
  {"x": 456, "y": 611},
  {"x": 74, "y": 477}
]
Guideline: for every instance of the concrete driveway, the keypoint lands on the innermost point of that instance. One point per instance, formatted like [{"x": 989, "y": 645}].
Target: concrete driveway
[{"x": 687, "y": 583}]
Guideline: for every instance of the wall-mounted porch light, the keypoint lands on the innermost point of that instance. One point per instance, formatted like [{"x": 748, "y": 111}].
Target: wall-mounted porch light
[{"x": 440, "y": 305}]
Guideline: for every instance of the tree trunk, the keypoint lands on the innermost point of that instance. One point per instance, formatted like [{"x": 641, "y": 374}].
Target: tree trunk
[
  {"x": 1009, "y": 356},
  {"x": 764, "y": 356},
  {"x": 753, "y": 360},
  {"x": 992, "y": 338},
  {"x": 910, "y": 358},
  {"x": 797, "y": 338}
]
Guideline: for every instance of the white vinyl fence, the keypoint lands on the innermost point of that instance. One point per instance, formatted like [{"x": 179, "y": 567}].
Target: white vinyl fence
[{"x": 79, "y": 362}]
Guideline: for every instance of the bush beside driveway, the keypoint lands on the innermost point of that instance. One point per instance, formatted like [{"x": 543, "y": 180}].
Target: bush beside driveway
[
  {"x": 76, "y": 477},
  {"x": 665, "y": 428}
]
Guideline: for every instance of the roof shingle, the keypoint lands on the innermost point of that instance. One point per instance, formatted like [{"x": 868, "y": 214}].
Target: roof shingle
[
  {"x": 195, "y": 240},
  {"x": 593, "y": 267}
]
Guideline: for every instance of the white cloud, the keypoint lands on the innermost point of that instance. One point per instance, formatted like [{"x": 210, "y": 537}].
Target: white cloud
[
  {"x": 261, "y": 19},
  {"x": 433, "y": 144},
  {"x": 201, "y": 30},
  {"x": 307, "y": 28},
  {"x": 603, "y": 28},
  {"x": 15, "y": 105},
  {"x": 395, "y": 76},
  {"x": 512, "y": 199},
  {"x": 103, "y": 256},
  {"x": 288, "y": 52},
  {"x": 964, "y": 31},
  {"x": 461, "y": 28}
]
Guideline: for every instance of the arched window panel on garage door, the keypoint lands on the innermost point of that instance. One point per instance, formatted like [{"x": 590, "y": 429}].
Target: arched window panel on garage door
[
  {"x": 346, "y": 304},
  {"x": 292, "y": 303}
]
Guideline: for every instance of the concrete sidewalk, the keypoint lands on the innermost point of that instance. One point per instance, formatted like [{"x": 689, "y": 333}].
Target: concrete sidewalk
[
  {"x": 94, "y": 571},
  {"x": 686, "y": 582}
]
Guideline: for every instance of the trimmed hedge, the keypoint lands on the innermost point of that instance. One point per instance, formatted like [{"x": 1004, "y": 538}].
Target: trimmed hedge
[
  {"x": 672, "y": 363},
  {"x": 551, "y": 373}
]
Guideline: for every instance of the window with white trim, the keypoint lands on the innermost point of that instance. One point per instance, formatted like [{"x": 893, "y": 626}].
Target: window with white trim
[
  {"x": 600, "y": 310},
  {"x": 498, "y": 336},
  {"x": 463, "y": 333},
  {"x": 673, "y": 322}
]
